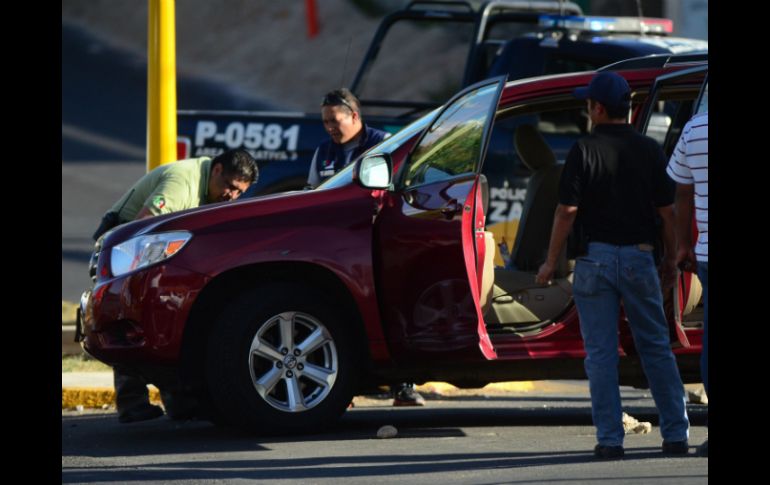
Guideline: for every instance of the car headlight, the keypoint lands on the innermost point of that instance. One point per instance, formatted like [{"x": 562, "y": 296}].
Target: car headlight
[{"x": 146, "y": 250}]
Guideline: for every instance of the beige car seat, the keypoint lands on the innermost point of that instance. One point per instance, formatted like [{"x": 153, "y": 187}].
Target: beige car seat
[{"x": 534, "y": 233}]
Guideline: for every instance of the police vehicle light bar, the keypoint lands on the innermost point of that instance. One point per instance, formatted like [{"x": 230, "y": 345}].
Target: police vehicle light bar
[{"x": 609, "y": 24}]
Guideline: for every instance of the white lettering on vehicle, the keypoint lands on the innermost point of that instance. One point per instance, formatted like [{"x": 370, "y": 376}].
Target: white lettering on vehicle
[
  {"x": 204, "y": 130},
  {"x": 279, "y": 155},
  {"x": 263, "y": 141},
  {"x": 503, "y": 210},
  {"x": 505, "y": 204}
]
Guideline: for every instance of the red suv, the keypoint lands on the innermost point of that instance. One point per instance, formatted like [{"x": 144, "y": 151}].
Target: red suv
[{"x": 277, "y": 310}]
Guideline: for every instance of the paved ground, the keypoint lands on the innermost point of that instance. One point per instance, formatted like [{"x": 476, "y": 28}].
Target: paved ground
[{"x": 521, "y": 439}]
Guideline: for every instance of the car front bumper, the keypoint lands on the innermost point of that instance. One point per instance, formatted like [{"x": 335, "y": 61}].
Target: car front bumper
[{"x": 139, "y": 318}]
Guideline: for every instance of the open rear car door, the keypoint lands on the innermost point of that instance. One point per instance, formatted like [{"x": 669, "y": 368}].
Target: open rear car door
[{"x": 673, "y": 100}]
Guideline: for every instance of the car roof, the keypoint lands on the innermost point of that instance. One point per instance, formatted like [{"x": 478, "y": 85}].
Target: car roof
[
  {"x": 639, "y": 72},
  {"x": 659, "y": 60}
]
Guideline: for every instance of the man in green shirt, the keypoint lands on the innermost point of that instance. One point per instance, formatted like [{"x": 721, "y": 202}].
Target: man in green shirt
[
  {"x": 183, "y": 185},
  {"x": 169, "y": 188}
]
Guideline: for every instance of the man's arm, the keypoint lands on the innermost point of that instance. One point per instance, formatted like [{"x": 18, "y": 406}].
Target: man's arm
[
  {"x": 683, "y": 208},
  {"x": 668, "y": 266},
  {"x": 563, "y": 220},
  {"x": 172, "y": 193}
]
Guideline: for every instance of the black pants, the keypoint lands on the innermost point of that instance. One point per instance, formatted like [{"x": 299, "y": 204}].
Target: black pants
[{"x": 131, "y": 393}]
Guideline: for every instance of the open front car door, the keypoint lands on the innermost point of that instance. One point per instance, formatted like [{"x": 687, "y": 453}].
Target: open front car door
[{"x": 429, "y": 234}]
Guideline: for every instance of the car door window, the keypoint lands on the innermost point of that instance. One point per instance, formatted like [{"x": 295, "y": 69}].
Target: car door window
[
  {"x": 452, "y": 145},
  {"x": 673, "y": 107},
  {"x": 668, "y": 117},
  {"x": 670, "y": 103}
]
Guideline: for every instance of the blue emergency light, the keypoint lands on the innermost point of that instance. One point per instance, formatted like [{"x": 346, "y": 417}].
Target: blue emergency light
[{"x": 608, "y": 24}]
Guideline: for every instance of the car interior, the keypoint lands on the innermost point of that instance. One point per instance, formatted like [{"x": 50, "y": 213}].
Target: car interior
[{"x": 511, "y": 301}]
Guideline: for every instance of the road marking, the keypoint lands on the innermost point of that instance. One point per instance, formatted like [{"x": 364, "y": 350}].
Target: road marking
[{"x": 101, "y": 141}]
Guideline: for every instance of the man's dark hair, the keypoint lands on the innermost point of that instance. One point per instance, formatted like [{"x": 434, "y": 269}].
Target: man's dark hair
[
  {"x": 342, "y": 97},
  {"x": 614, "y": 112},
  {"x": 238, "y": 164},
  {"x": 617, "y": 112}
]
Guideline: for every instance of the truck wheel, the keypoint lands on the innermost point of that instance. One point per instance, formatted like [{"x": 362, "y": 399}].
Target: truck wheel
[{"x": 283, "y": 359}]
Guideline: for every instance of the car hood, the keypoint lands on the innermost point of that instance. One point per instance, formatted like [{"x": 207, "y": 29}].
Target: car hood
[{"x": 218, "y": 216}]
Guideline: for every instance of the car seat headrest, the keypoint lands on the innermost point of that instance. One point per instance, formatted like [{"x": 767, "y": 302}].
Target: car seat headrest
[{"x": 532, "y": 148}]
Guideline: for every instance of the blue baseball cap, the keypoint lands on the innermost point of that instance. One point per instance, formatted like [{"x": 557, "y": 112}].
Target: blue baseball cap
[{"x": 609, "y": 88}]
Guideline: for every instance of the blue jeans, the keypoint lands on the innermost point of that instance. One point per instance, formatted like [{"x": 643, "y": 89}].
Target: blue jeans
[
  {"x": 604, "y": 277},
  {"x": 703, "y": 276}
]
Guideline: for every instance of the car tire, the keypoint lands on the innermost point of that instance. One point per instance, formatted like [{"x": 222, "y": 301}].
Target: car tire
[{"x": 283, "y": 359}]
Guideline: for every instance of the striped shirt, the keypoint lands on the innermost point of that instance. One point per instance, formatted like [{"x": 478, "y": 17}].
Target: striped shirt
[{"x": 689, "y": 165}]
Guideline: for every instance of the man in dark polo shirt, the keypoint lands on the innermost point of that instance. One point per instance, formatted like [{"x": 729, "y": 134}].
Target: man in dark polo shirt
[
  {"x": 349, "y": 136},
  {"x": 615, "y": 181}
]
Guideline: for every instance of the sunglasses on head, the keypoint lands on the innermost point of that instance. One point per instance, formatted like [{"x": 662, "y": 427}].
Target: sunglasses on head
[{"x": 336, "y": 100}]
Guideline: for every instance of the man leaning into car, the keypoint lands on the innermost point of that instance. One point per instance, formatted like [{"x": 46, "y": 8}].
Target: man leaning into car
[
  {"x": 615, "y": 182},
  {"x": 169, "y": 188}
]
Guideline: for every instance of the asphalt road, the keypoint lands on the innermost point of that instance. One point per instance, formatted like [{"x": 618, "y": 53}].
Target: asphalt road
[
  {"x": 88, "y": 191},
  {"x": 498, "y": 439}
]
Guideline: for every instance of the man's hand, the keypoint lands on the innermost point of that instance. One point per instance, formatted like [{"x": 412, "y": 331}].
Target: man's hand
[
  {"x": 685, "y": 259},
  {"x": 545, "y": 273},
  {"x": 562, "y": 225}
]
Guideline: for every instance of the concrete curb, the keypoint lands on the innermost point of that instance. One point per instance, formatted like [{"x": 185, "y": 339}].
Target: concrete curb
[
  {"x": 99, "y": 396},
  {"x": 446, "y": 389},
  {"x": 96, "y": 397}
]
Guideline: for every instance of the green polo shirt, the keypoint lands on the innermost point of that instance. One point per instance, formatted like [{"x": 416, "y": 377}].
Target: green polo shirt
[{"x": 169, "y": 188}]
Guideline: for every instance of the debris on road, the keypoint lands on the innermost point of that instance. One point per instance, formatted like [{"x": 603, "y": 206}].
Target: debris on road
[
  {"x": 387, "y": 431},
  {"x": 698, "y": 396},
  {"x": 631, "y": 425}
]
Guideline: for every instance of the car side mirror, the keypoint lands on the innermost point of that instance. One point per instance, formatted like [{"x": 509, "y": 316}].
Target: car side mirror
[{"x": 374, "y": 171}]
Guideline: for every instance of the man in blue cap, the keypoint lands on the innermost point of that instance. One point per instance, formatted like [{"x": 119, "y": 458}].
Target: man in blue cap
[{"x": 614, "y": 181}]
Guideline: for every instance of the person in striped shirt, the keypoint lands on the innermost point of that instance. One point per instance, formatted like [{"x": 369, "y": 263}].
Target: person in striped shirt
[{"x": 688, "y": 167}]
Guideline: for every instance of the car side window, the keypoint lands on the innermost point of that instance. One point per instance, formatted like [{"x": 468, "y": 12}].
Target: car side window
[
  {"x": 671, "y": 111},
  {"x": 452, "y": 145},
  {"x": 671, "y": 102},
  {"x": 560, "y": 122}
]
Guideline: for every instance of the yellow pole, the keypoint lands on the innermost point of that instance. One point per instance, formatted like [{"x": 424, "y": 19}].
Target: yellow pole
[{"x": 161, "y": 84}]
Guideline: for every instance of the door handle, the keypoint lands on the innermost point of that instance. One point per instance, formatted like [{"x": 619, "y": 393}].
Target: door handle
[{"x": 451, "y": 208}]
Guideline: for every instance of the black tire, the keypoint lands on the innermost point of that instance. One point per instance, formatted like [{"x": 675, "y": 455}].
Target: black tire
[{"x": 299, "y": 395}]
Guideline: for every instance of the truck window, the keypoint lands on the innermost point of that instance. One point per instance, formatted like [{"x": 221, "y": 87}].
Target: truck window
[{"x": 436, "y": 53}]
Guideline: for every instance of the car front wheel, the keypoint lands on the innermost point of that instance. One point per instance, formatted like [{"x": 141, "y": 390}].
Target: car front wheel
[{"x": 283, "y": 359}]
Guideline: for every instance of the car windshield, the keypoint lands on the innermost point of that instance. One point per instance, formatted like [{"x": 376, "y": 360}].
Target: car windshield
[{"x": 390, "y": 144}]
